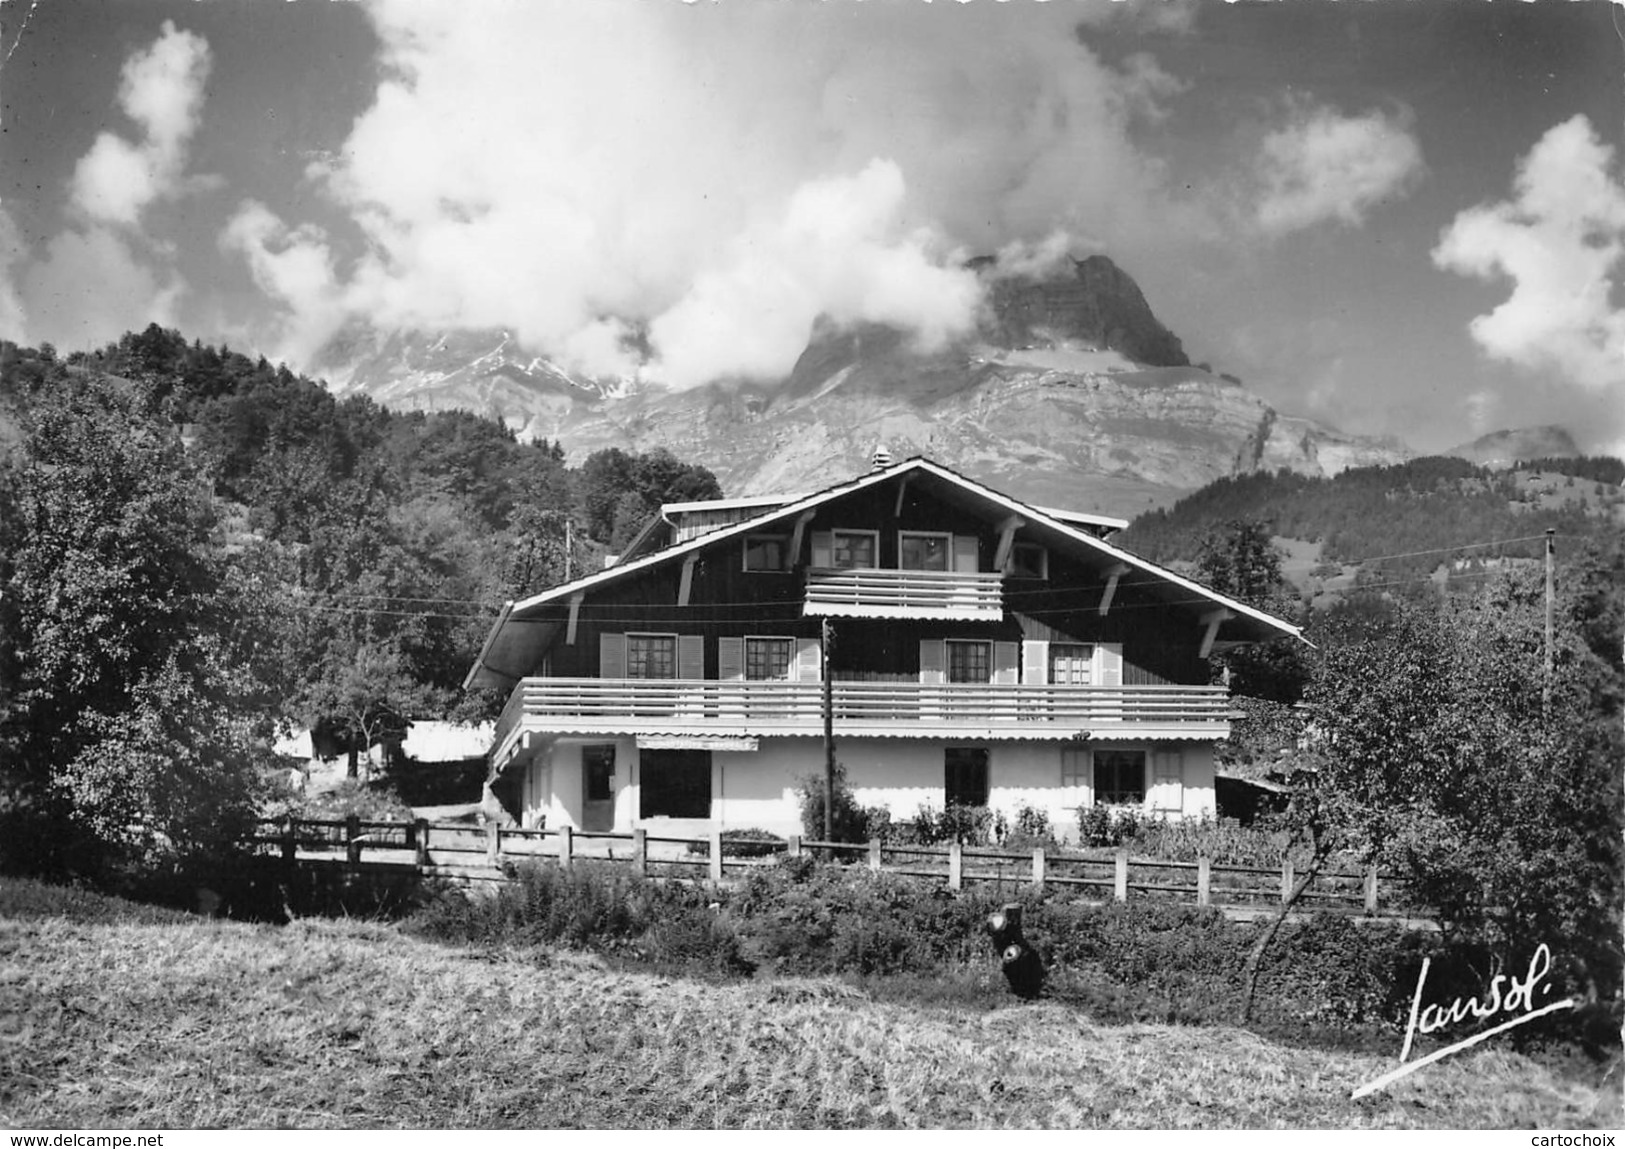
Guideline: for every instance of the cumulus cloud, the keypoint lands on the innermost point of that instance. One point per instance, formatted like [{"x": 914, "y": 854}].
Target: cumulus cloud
[
  {"x": 1325, "y": 166},
  {"x": 162, "y": 91},
  {"x": 1560, "y": 239},
  {"x": 576, "y": 172},
  {"x": 295, "y": 267},
  {"x": 102, "y": 274},
  {"x": 837, "y": 253},
  {"x": 93, "y": 284},
  {"x": 13, "y": 318}
]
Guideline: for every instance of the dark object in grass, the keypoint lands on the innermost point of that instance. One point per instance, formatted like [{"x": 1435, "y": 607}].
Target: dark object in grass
[{"x": 1023, "y": 968}]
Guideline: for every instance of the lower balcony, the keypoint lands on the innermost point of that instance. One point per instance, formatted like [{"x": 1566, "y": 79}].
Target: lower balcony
[{"x": 604, "y": 707}]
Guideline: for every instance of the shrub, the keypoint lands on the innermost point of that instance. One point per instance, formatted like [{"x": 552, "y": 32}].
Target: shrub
[
  {"x": 1223, "y": 843},
  {"x": 1120, "y": 962},
  {"x": 849, "y": 822},
  {"x": 750, "y": 843},
  {"x": 1106, "y": 825},
  {"x": 1032, "y": 830},
  {"x": 967, "y": 825},
  {"x": 374, "y": 802}
]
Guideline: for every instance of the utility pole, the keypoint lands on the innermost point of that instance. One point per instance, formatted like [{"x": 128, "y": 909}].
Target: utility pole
[
  {"x": 569, "y": 545},
  {"x": 1551, "y": 586},
  {"x": 828, "y": 640}
]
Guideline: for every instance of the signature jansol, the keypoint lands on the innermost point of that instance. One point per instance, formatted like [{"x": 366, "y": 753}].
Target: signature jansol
[{"x": 1518, "y": 1000}]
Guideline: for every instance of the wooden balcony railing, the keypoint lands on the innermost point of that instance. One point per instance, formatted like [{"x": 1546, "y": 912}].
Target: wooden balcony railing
[
  {"x": 904, "y": 594},
  {"x": 888, "y": 709}
]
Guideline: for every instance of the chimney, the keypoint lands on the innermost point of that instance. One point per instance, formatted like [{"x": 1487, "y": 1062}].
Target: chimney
[{"x": 882, "y": 458}]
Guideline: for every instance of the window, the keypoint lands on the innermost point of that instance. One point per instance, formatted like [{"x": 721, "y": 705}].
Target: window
[
  {"x": 598, "y": 763},
  {"x": 1119, "y": 777},
  {"x": 965, "y": 776},
  {"x": 970, "y": 661},
  {"x": 1029, "y": 560},
  {"x": 1074, "y": 767},
  {"x": 919, "y": 551},
  {"x": 765, "y": 552},
  {"x": 651, "y": 656},
  {"x": 1071, "y": 663},
  {"x": 674, "y": 784},
  {"x": 770, "y": 659},
  {"x": 855, "y": 550}
]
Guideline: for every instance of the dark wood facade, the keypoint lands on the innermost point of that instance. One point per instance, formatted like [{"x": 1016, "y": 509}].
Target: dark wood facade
[{"x": 1159, "y": 643}]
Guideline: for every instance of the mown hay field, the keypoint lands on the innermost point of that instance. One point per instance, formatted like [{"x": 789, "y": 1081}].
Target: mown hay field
[{"x": 115, "y": 1015}]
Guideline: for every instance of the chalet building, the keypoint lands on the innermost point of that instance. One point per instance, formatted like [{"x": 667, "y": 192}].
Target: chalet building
[{"x": 981, "y": 651}]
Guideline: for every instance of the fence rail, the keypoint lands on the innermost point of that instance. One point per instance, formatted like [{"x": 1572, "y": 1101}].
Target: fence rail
[{"x": 479, "y": 852}]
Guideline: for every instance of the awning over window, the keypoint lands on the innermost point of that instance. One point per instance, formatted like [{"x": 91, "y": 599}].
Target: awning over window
[{"x": 693, "y": 742}]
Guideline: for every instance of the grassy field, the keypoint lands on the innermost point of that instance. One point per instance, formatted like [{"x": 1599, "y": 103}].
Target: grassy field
[{"x": 125, "y": 1016}]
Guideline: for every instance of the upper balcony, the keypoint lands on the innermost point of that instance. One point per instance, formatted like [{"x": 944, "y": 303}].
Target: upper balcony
[
  {"x": 869, "y": 593},
  {"x": 600, "y": 707}
]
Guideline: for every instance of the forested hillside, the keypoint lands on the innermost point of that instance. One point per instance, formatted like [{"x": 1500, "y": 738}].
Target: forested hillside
[
  {"x": 196, "y": 546},
  {"x": 1411, "y": 516}
]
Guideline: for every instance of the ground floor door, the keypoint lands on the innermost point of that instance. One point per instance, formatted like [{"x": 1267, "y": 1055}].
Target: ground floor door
[{"x": 598, "y": 788}]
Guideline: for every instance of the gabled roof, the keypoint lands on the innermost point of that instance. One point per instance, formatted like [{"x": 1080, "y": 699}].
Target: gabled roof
[{"x": 519, "y": 619}]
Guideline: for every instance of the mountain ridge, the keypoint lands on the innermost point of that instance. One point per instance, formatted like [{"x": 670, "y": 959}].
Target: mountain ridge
[{"x": 1070, "y": 392}]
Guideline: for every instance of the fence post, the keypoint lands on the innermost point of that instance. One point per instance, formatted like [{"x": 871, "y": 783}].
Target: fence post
[
  {"x": 956, "y": 865},
  {"x": 352, "y": 839},
  {"x": 792, "y": 846},
  {"x": 1286, "y": 880},
  {"x": 640, "y": 851},
  {"x": 493, "y": 842},
  {"x": 1204, "y": 880},
  {"x": 1038, "y": 868},
  {"x": 716, "y": 855},
  {"x": 567, "y": 846},
  {"x": 290, "y": 841},
  {"x": 1121, "y": 884},
  {"x": 420, "y": 839},
  {"x": 1371, "y": 890},
  {"x": 874, "y": 854}
]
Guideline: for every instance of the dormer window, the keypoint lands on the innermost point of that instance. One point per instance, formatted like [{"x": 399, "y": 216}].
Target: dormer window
[
  {"x": 923, "y": 550},
  {"x": 1028, "y": 560},
  {"x": 855, "y": 550}
]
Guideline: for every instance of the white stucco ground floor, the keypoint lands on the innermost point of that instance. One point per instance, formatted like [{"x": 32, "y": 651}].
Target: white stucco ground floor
[{"x": 688, "y": 787}]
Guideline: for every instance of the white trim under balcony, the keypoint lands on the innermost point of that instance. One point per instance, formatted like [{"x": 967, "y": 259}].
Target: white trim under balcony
[
  {"x": 603, "y": 707},
  {"x": 865, "y": 593}
]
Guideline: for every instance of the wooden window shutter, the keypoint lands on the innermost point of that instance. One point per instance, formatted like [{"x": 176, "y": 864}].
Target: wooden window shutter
[
  {"x": 823, "y": 548},
  {"x": 933, "y": 660},
  {"x": 1168, "y": 779},
  {"x": 611, "y": 655},
  {"x": 690, "y": 656},
  {"x": 809, "y": 660},
  {"x": 1111, "y": 663},
  {"x": 1004, "y": 663},
  {"x": 1035, "y": 662},
  {"x": 966, "y": 554},
  {"x": 731, "y": 659}
]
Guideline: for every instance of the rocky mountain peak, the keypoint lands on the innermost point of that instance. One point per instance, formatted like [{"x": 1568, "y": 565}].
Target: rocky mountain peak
[{"x": 1089, "y": 301}]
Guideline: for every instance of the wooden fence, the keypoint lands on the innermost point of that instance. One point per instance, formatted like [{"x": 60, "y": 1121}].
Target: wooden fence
[{"x": 478, "y": 853}]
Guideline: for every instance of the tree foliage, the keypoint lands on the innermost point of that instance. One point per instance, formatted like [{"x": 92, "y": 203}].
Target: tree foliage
[
  {"x": 196, "y": 545},
  {"x": 121, "y": 710},
  {"x": 1399, "y": 521},
  {"x": 1443, "y": 759}
]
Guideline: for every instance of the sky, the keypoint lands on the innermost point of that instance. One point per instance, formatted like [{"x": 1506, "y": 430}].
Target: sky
[{"x": 1401, "y": 218}]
